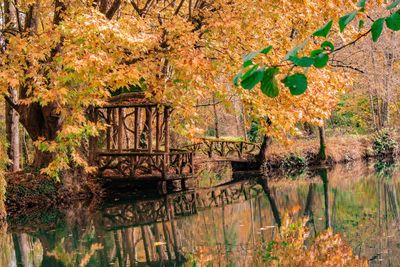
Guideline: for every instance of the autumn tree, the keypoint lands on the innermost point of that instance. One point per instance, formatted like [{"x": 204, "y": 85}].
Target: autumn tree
[
  {"x": 64, "y": 57},
  {"x": 292, "y": 72}
]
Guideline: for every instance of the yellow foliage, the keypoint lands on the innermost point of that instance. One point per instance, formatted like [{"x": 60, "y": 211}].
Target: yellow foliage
[
  {"x": 181, "y": 54},
  {"x": 328, "y": 249}
]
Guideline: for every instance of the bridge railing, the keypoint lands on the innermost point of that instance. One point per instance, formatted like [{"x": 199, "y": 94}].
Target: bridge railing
[
  {"x": 224, "y": 148},
  {"x": 175, "y": 164}
]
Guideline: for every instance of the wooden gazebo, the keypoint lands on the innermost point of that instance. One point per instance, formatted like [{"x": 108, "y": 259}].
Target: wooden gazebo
[{"x": 136, "y": 141}]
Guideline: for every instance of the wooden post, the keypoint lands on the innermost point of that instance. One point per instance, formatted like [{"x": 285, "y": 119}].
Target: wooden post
[
  {"x": 167, "y": 238},
  {"x": 136, "y": 129},
  {"x": 157, "y": 129},
  {"x": 93, "y": 140},
  {"x": 120, "y": 129},
  {"x": 166, "y": 133},
  {"x": 149, "y": 112},
  {"x": 145, "y": 244},
  {"x": 109, "y": 129},
  {"x": 171, "y": 219},
  {"x": 191, "y": 163},
  {"x": 114, "y": 129}
]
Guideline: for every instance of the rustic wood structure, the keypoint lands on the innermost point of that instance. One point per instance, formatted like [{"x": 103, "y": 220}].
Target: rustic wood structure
[
  {"x": 180, "y": 204},
  {"x": 155, "y": 220},
  {"x": 136, "y": 141},
  {"x": 225, "y": 148}
]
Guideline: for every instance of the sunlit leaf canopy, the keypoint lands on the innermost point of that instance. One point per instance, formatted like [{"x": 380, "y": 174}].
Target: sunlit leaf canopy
[
  {"x": 180, "y": 51},
  {"x": 296, "y": 80}
]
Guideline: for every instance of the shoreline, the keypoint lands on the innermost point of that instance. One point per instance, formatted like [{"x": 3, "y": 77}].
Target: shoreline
[{"x": 27, "y": 193}]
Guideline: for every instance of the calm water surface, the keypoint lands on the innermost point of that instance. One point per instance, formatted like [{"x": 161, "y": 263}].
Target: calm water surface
[{"x": 226, "y": 225}]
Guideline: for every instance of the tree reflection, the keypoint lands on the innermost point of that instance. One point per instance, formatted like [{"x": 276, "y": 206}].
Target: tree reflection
[
  {"x": 272, "y": 202},
  {"x": 225, "y": 224}
]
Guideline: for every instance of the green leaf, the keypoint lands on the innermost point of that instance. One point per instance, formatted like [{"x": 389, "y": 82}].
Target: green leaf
[
  {"x": 297, "y": 83},
  {"x": 361, "y": 24},
  {"x": 237, "y": 78},
  {"x": 250, "y": 72},
  {"x": 295, "y": 51},
  {"x": 393, "y": 21},
  {"x": 377, "y": 28},
  {"x": 361, "y": 3},
  {"x": 329, "y": 45},
  {"x": 393, "y": 5},
  {"x": 321, "y": 60},
  {"x": 346, "y": 19},
  {"x": 269, "y": 85},
  {"x": 302, "y": 62},
  {"x": 324, "y": 30},
  {"x": 316, "y": 52},
  {"x": 266, "y": 50},
  {"x": 251, "y": 55},
  {"x": 253, "y": 79},
  {"x": 247, "y": 63}
]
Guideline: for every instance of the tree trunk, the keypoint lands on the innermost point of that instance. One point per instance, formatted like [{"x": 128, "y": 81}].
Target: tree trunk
[
  {"x": 12, "y": 133},
  {"x": 384, "y": 113},
  {"x": 322, "y": 144},
  {"x": 244, "y": 122},
  {"x": 12, "y": 130},
  {"x": 373, "y": 111},
  {"x": 41, "y": 123},
  {"x": 216, "y": 120},
  {"x": 262, "y": 156}
]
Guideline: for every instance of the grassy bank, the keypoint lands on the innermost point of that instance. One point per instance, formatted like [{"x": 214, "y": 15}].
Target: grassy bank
[{"x": 339, "y": 149}]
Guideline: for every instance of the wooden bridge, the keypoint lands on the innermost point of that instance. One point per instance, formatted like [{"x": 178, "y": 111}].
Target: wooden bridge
[
  {"x": 224, "y": 148},
  {"x": 136, "y": 141}
]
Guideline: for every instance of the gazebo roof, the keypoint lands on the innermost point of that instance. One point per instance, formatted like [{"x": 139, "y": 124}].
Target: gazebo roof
[{"x": 136, "y": 99}]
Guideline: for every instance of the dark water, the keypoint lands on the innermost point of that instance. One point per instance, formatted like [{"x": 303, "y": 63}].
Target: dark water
[{"x": 225, "y": 225}]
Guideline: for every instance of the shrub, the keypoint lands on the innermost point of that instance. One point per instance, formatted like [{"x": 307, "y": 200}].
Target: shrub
[
  {"x": 293, "y": 161},
  {"x": 384, "y": 144}
]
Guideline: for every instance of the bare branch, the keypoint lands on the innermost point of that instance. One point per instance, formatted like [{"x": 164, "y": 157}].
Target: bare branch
[
  {"x": 113, "y": 9},
  {"x": 352, "y": 42},
  {"x": 11, "y": 103},
  {"x": 179, "y": 7}
]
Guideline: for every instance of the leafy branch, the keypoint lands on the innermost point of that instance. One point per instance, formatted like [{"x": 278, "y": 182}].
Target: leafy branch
[{"x": 253, "y": 74}]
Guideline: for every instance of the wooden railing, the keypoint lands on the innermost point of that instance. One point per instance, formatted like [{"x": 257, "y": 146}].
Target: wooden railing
[
  {"x": 135, "y": 164},
  {"x": 179, "y": 204},
  {"x": 224, "y": 148}
]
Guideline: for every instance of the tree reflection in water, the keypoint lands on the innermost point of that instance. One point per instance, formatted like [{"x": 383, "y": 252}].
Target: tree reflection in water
[{"x": 230, "y": 224}]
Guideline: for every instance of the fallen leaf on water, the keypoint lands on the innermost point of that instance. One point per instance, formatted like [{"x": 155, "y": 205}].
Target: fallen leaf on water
[
  {"x": 267, "y": 227},
  {"x": 159, "y": 244}
]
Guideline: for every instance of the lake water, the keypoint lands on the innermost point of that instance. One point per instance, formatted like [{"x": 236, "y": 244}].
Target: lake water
[{"x": 226, "y": 225}]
